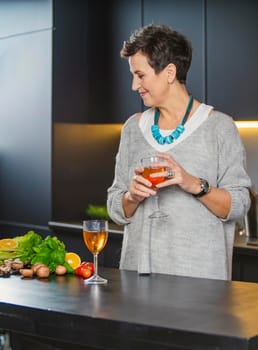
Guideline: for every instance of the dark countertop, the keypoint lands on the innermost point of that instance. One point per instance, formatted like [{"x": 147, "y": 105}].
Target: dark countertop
[{"x": 133, "y": 312}]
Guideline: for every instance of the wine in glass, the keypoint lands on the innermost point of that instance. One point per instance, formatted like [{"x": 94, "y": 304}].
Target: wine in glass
[
  {"x": 95, "y": 235},
  {"x": 147, "y": 163}
]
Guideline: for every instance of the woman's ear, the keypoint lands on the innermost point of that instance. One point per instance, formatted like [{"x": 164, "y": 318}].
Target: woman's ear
[{"x": 171, "y": 73}]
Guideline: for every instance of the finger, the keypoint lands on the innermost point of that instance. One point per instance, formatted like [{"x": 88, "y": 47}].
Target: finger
[
  {"x": 139, "y": 180},
  {"x": 144, "y": 189},
  {"x": 165, "y": 156}
]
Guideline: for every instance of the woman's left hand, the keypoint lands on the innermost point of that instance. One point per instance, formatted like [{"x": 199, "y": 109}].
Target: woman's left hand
[
  {"x": 218, "y": 201},
  {"x": 176, "y": 175}
]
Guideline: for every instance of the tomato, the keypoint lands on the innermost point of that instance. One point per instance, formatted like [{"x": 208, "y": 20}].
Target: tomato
[
  {"x": 90, "y": 266},
  {"x": 85, "y": 270}
]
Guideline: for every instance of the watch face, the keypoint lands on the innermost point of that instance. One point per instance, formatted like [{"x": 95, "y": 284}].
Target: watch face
[{"x": 205, "y": 188}]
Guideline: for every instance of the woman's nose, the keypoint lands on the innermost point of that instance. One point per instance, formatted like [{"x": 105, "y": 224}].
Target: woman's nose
[{"x": 135, "y": 84}]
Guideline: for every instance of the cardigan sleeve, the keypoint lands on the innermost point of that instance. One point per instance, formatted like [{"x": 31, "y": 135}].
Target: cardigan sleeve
[
  {"x": 121, "y": 181},
  {"x": 232, "y": 174}
]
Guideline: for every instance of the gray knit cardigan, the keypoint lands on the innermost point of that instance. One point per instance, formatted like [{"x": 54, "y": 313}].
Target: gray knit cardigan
[{"x": 191, "y": 241}]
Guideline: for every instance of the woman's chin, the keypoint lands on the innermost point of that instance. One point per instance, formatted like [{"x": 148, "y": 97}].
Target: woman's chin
[{"x": 147, "y": 103}]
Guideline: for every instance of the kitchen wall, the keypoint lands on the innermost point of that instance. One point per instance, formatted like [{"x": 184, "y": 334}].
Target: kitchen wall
[
  {"x": 81, "y": 80},
  {"x": 83, "y": 167},
  {"x": 92, "y": 84}
]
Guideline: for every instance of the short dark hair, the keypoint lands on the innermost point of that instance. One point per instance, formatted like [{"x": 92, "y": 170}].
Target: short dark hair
[{"x": 161, "y": 45}]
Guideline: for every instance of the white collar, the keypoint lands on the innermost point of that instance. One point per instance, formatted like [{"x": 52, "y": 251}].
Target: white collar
[{"x": 147, "y": 120}]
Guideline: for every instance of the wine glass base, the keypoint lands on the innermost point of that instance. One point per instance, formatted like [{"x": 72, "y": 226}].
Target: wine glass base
[
  {"x": 157, "y": 215},
  {"x": 96, "y": 279}
]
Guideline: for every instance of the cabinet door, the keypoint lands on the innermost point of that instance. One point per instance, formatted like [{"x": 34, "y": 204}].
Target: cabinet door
[
  {"x": 187, "y": 17},
  {"x": 232, "y": 57},
  {"x": 25, "y": 105},
  {"x": 245, "y": 266},
  {"x": 92, "y": 84}
]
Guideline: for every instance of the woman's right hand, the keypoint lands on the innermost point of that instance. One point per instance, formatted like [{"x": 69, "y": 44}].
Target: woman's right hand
[{"x": 140, "y": 188}]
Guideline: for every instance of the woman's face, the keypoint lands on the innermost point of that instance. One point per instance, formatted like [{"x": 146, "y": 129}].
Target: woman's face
[{"x": 153, "y": 88}]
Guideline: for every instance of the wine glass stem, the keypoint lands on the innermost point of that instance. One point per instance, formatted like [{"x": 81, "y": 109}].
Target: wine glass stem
[
  {"x": 156, "y": 199},
  {"x": 95, "y": 261}
]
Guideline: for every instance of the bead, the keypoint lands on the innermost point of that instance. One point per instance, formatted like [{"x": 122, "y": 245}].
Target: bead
[
  {"x": 180, "y": 128},
  {"x": 176, "y": 134},
  {"x": 169, "y": 139},
  {"x": 162, "y": 140}
]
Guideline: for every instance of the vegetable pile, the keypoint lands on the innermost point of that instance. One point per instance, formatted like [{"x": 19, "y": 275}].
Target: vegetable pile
[
  {"x": 31, "y": 248},
  {"x": 31, "y": 255}
]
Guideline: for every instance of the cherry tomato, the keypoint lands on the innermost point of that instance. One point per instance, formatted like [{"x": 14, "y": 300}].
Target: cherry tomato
[
  {"x": 85, "y": 264},
  {"x": 90, "y": 266},
  {"x": 85, "y": 270}
]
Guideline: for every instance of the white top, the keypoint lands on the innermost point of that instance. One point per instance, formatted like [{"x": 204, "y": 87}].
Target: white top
[{"x": 147, "y": 120}]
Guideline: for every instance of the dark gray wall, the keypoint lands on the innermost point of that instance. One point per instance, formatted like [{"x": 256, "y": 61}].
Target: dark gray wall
[
  {"x": 188, "y": 17},
  {"x": 232, "y": 57},
  {"x": 25, "y": 111},
  {"x": 91, "y": 84}
]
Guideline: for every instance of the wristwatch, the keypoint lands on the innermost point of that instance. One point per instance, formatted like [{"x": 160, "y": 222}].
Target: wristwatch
[{"x": 205, "y": 188}]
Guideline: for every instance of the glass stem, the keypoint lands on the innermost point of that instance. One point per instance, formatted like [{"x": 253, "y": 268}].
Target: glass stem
[
  {"x": 156, "y": 200},
  {"x": 95, "y": 261}
]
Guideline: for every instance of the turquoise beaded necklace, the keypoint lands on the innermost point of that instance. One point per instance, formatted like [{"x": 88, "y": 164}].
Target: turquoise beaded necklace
[{"x": 175, "y": 133}]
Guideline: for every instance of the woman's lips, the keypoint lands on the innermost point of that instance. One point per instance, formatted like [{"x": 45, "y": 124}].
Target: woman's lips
[{"x": 142, "y": 94}]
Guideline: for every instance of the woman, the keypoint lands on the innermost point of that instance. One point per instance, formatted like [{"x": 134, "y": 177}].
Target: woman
[{"x": 206, "y": 186}]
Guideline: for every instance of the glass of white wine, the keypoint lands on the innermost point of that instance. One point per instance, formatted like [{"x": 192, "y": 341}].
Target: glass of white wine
[{"x": 95, "y": 236}]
